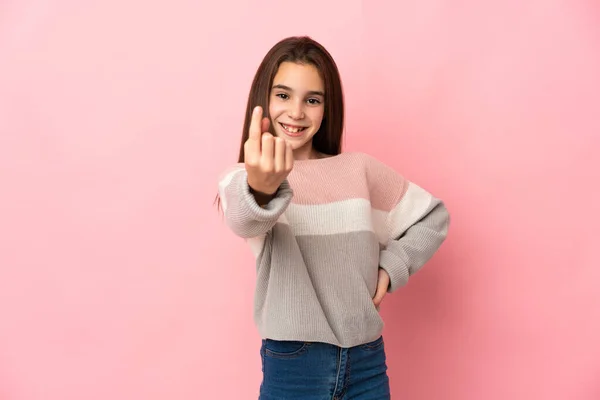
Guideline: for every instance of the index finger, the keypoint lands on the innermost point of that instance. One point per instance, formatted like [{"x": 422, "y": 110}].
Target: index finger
[{"x": 255, "y": 132}]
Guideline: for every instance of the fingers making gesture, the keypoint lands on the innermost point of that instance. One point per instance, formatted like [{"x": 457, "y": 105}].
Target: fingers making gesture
[{"x": 268, "y": 159}]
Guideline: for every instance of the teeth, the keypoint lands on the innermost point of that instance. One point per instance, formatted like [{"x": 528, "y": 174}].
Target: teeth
[{"x": 290, "y": 129}]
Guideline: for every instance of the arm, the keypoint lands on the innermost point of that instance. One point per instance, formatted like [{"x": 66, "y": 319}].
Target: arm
[
  {"x": 248, "y": 213},
  {"x": 416, "y": 223},
  {"x": 255, "y": 196},
  {"x": 418, "y": 226}
]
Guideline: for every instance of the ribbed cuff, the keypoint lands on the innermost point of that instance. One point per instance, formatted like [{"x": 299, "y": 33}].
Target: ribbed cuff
[
  {"x": 396, "y": 269},
  {"x": 273, "y": 209}
]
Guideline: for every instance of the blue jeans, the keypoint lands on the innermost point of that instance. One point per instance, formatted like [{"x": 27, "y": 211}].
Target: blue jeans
[{"x": 319, "y": 371}]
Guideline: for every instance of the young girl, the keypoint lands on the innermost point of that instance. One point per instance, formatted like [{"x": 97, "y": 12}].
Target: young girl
[{"x": 332, "y": 232}]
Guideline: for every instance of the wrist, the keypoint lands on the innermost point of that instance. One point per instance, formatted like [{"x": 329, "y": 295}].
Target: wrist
[{"x": 262, "y": 198}]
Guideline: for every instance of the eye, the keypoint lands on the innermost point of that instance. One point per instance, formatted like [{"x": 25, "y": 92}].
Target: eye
[
  {"x": 314, "y": 101},
  {"x": 282, "y": 96}
]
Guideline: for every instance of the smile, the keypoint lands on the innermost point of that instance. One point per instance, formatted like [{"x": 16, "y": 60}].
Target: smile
[{"x": 292, "y": 129}]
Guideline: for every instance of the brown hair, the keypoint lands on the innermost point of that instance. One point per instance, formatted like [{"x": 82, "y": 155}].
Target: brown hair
[{"x": 303, "y": 50}]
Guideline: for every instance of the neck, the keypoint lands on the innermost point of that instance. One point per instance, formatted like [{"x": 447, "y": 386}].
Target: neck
[{"x": 306, "y": 152}]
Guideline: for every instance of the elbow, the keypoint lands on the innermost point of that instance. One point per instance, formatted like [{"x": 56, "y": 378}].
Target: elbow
[
  {"x": 444, "y": 226},
  {"x": 241, "y": 230},
  {"x": 445, "y": 218},
  {"x": 437, "y": 223},
  {"x": 248, "y": 229}
]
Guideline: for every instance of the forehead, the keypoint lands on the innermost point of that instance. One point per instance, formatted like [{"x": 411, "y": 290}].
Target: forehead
[{"x": 301, "y": 77}]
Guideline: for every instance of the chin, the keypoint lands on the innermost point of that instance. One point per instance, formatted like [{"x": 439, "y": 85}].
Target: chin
[{"x": 297, "y": 145}]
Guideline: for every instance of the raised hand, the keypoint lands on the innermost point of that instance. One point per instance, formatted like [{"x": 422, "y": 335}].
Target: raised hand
[{"x": 268, "y": 159}]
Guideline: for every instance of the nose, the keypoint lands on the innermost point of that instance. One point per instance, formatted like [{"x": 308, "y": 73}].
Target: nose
[{"x": 296, "y": 110}]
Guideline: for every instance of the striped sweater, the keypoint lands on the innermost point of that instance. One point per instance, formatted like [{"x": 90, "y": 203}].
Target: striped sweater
[{"x": 320, "y": 241}]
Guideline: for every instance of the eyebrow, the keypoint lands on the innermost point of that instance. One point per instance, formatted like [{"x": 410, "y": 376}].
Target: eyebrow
[{"x": 289, "y": 89}]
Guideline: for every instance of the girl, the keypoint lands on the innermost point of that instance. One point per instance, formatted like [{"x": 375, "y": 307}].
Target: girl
[{"x": 332, "y": 232}]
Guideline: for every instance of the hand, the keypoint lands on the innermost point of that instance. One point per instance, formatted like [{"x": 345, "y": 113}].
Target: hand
[
  {"x": 383, "y": 282},
  {"x": 268, "y": 159}
]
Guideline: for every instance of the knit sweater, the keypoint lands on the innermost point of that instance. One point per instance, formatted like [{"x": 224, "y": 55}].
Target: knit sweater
[{"x": 320, "y": 241}]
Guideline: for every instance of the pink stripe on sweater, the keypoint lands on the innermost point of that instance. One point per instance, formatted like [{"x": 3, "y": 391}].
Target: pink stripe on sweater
[{"x": 344, "y": 177}]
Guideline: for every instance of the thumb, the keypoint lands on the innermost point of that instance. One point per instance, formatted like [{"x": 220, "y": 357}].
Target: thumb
[{"x": 383, "y": 282}]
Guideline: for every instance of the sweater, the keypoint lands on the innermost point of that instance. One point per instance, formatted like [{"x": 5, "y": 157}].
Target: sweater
[{"x": 319, "y": 244}]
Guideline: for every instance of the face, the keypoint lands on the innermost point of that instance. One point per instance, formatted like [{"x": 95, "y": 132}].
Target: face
[{"x": 297, "y": 105}]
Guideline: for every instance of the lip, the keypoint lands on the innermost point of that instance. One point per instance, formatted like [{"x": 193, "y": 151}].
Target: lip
[
  {"x": 297, "y": 134},
  {"x": 292, "y": 125}
]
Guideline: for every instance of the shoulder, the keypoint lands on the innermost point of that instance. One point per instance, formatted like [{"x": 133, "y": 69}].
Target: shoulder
[
  {"x": 358, "y": 158},
  {"x": 227, "y": 174},
  {"x": 381, "y": 177},
  {"x": 386, "y": 184},
  {"x": 371, "y": 164}
]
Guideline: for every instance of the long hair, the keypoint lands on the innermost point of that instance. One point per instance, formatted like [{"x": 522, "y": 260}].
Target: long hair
[{"x": 302, "y": 50}]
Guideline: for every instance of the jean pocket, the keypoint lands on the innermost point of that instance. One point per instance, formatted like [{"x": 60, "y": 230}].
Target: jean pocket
[
  {"x": 284, "y": 348},
  {"x": 374, "y": 345}
]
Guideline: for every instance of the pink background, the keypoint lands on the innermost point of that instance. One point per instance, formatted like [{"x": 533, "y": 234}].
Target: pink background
[{"x": 118, "y": 279}]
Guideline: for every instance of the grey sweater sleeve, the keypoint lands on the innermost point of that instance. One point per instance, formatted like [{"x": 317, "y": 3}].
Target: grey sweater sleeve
[
  {"x": 243, "y": 215},
  {"x": 406, "y": 254}
]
